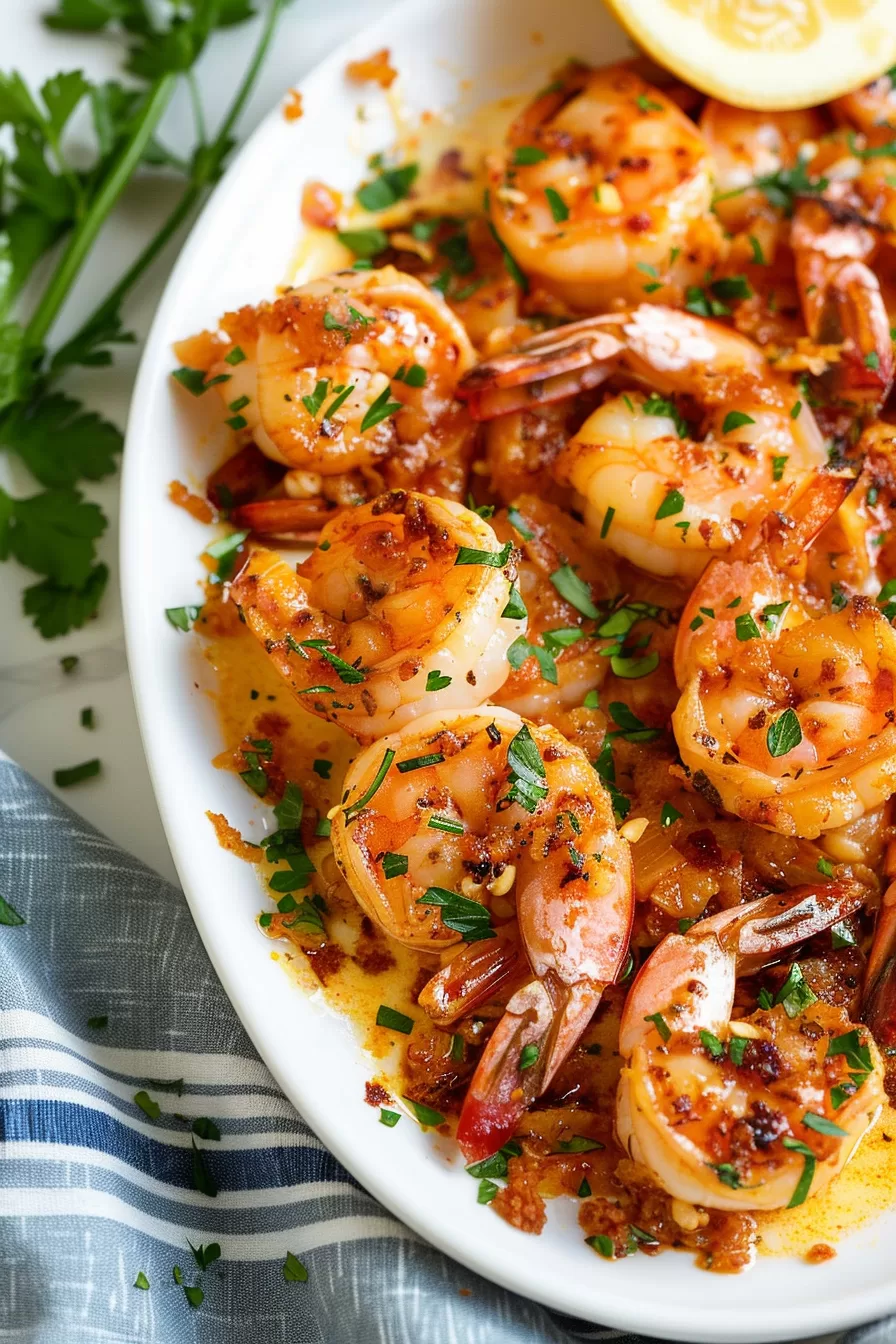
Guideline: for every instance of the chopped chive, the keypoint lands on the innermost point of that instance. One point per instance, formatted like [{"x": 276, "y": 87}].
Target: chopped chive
[
  {"x": 393, "y": 1020},
  {"x": 419, "y": 762},
  {"x": 446, "y": 824},
  {"x": 76, "y": 774}
]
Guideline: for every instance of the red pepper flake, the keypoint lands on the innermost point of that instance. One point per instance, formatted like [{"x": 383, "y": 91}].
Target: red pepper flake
[{"x": 376, "y": 1096}]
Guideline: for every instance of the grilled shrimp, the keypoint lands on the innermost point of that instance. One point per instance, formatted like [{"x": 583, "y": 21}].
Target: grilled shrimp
[
  {"x": 786, "y": 717},
  {"x": 752, "y": 1113},
  {"x": 397, "y": 612},
  {"x": 661, "y": 498},
  {"x": 603, "y": 175},
  {"x": 451, "y": 828}
]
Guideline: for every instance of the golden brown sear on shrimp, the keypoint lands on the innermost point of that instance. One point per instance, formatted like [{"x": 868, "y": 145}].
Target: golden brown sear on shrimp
[{"x": 600, "y": 467}]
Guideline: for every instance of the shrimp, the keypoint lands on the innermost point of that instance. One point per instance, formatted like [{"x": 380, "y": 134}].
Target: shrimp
[
  {"x": 786, "y": 717},
  {"x": 456, "y": 827},
  {"x": 605, "y": 179},
  {"x": 399, "y": 610},
  {"x": 349, "y": 378},
  {"x": 520, "y": 448},
  {"x": 762, "y": 164},
  {"x": 661, "y": 498},
  {"x": 758, "y": 1112},
  {"x": 568, "y": 661}
]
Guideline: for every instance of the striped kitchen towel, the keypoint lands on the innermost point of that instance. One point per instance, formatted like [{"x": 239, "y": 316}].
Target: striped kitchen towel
[{"x": 128, "y": 1087}]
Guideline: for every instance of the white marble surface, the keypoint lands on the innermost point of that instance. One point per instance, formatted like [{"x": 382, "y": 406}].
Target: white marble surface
[{"x": 40, "y": 704}]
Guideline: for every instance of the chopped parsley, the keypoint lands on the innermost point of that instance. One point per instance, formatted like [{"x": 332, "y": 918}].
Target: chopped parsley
[
  {"x": 425, "y": 1114},
  {"x": 527, "y": 154},
  {"x": 528, "y": 1057},
  {"x": 392, "y": 185},
  {"x": 735, "y": 420},
  {"x": 466, "y": 555},
  {"x": 389, "y": 1118},
  {"x": 528, "y": 785},
  {"x": 76, "y": 774},
  {"x": 657, "y": 405},
  {"x": 419, "y": 762},
  {"x": 293, "y": 1270},
  {"x": 380, "y": 409},
  {"x": 661, "y": 1025},
  {"x": 669, "y": 815},
  {"x": 468, "y": 918},
  {"x": 804, "y": 1184},
  {"x": 672, "y": 504},
  {"x": 575, "y": 591},
  {"x": 795, "y": 996},
  {"x": 393, "y": 1020},
  {"x": 436, "y": 680},
  {"x": 394, "y": 865},
  {"x": 559, "y": 208}
]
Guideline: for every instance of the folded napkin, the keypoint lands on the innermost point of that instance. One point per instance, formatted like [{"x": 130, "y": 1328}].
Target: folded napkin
[{"x": 106, "y": 994}]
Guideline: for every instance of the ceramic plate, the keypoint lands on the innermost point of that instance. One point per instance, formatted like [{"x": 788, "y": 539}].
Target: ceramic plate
[{"x": 240, "y": 249}]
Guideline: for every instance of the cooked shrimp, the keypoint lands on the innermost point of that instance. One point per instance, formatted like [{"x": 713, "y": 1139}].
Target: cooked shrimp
[
  {"x": 766, "y": 160},
  {"x": 572, "y": 657},
  {"x": 665, "y": 499},
  {"x": 348, "y": 377},
  {"x": 494, "y": 813},
  {"x": 520, "y": 448},
  {"x": 398, "y": 611},
  {"x": 752, "y": 1113},
  {"x": 789, "y": 722},
  {"x": 604, "y": 178}
]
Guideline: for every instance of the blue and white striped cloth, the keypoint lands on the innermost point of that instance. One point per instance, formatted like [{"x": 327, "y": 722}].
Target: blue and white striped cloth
[{"x": 93, "y": 1191}]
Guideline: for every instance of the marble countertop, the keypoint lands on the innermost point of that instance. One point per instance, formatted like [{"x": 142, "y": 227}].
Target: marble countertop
[{"x": 40, "y": 703}]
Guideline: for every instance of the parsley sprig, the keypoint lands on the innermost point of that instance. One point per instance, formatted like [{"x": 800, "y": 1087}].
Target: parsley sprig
[{"x": 48, "y": 199}]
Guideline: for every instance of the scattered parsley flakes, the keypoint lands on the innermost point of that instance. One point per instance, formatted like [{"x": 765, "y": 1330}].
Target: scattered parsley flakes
[{"x": 784, "y": 734}]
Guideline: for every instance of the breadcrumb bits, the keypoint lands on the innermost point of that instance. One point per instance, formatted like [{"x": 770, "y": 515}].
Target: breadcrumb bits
[
  {"x": 374, "y": 70},
  {"x": 292, "y": 106}
]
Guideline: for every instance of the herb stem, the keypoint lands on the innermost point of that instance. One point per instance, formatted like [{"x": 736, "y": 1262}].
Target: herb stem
[
  {"x": 86, "y": 232},
  {"x": 202, "y": 176}
]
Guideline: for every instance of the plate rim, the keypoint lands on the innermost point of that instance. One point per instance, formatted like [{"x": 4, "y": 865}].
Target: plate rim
[{"x": 616, "y": 1310}]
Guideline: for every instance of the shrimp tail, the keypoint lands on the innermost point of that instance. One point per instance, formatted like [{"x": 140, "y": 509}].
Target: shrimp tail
[
  {"x": 479, "y": 972},
  {"x": 545, "y": 1015},
  {"x": 289, "y": 519},
  {"x": 550, "y": 367}
]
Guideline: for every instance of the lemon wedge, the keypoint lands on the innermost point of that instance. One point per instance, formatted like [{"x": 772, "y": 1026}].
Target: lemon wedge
[{"x": 766, "y": 53}]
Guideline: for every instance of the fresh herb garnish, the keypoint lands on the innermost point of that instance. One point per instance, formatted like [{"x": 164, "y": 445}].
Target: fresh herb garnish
[
  {"x": 351, "y": 676},
  {"x": 466, "y": 555},
  {"x": 515, "y": 610},
  {"x": 657, "y": 405},
  {"x": 661, "y": 1025},
  {"x": 76, "y": 774},
  {"x": 672, "y": 504},
  {"x": 795, "y": 996},
  {"x": 419, "y": 762},
  {"x": 392, "y": 185},
  {"x": 784, "y": 734},
  {"x": 380, "y": 409},
  {"x": 436, "y": 680},
  {"x": 575, "y": 591},
  {"x": 559, "y": 208},
  {"x": 394, "y": 1020},
  {"x": 468, "y": 918},
  {"x": 293, "y": 1270},
  {"x": 735, "y": 420},
  {"x": 394, "y": 865},
  {"x": 425, "y": 1114},
  {"x": 389, "y": 1118},
  {"x": 9, "y": 916},
  {"x": 364, "y": 242},
  {"x": 822, "y": 1125},
  {"x": 354, "y": 808},
  {"x": 804, "y": 1184},
  {"x": 528, "y": 781},
  {"x": 526, "y": 154}
]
